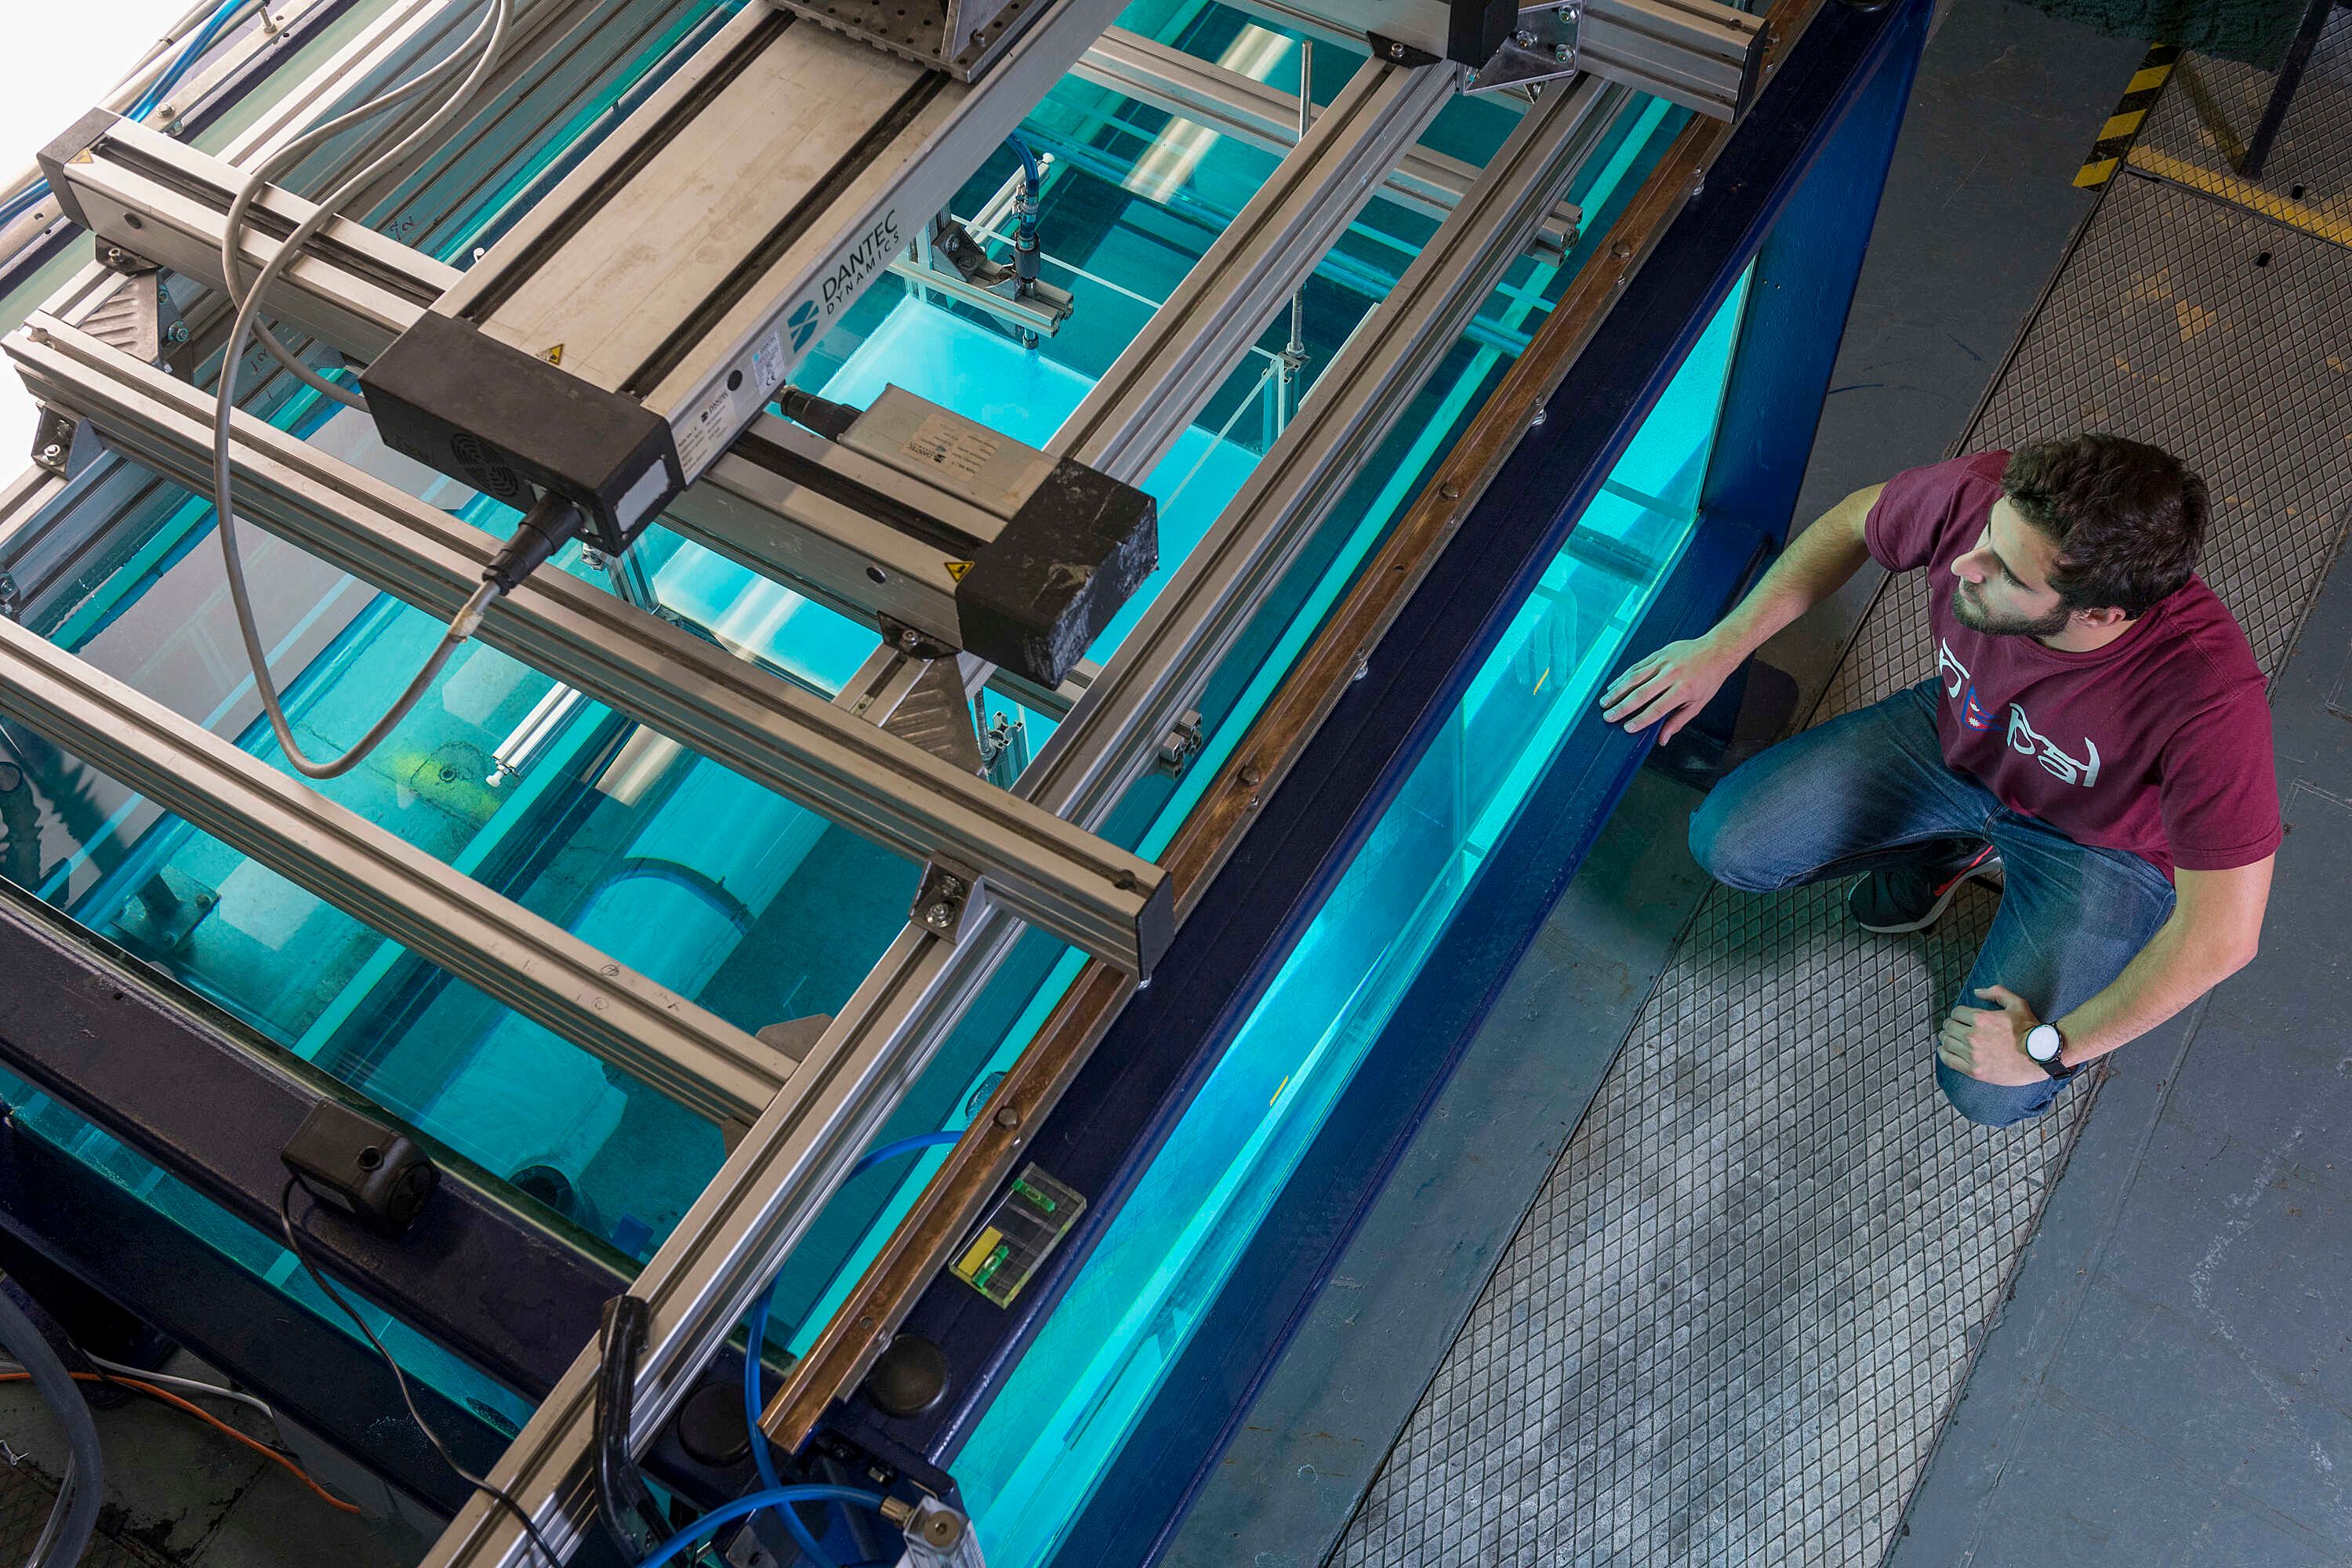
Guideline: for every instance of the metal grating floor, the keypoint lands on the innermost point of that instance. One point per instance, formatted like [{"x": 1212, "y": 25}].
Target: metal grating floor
[
  {"x": 2211, "y": 107},
  {"x": 1733, "y": 1321}
]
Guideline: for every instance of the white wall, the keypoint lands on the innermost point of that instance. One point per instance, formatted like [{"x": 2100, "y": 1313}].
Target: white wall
[{"x": 81, "y": 51}]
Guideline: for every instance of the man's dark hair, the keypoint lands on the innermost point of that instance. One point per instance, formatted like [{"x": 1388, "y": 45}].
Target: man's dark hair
[{"x": 2128, "y": 518}]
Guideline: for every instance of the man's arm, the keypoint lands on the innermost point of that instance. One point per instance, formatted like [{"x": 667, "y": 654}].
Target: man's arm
[
  {"x": 2215, "y": 926},
  {"x": 1672, "y": 684}
]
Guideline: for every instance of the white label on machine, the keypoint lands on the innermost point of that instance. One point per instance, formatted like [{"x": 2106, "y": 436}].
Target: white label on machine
[
  {"x": 707, "y": 431},
  {"x": 767, "y": 369},
  {"x": 953, "y": 448}
]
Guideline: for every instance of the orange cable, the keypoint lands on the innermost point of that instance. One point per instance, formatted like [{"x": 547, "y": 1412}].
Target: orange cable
[{"x": 207, "y": 1416}]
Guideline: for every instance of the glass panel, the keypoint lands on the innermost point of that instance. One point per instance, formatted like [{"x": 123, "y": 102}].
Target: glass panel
[
  {"x": 247, "y": 1248},
  {"x": 1071, "y": 1402}
]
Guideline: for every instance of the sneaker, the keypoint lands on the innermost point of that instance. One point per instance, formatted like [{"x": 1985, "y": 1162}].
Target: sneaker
[{"x": 1912, "y": 897}]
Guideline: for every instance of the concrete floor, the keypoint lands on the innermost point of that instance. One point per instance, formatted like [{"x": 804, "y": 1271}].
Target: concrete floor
[{"x": 178, "y": 1492}]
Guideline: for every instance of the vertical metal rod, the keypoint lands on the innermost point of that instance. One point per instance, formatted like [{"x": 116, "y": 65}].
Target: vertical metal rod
[
  {"x": 1294, "y": 355},
  {"x": 2290, "y": 77}
]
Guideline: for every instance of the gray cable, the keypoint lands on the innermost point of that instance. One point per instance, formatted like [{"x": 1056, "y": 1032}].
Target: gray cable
[
  {"x": 87, "y": 1478},
  {"x": 291, "y": 153},
  {"x": 224, "y": 405}
]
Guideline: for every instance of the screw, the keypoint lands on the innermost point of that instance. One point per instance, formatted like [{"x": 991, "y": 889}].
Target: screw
[
  {"x": 909, "y": 637},
  {"x": 1450, "y": 491},
  {"x": 1525, "y": 38},
  {"x": 1007, "y": 1118},
  {"x": 950, "y": 887},
  {"x": 1396, "y": 51},
  {"x": 1251, "y": 775},
  {"x": 1623, "y": 250},
  {"x": 1469, "y": 79},
  {"x": 939, "y": 916},
  {"x": 179, "y": 332},
  {"x": 52, "y": 452},
  {"x": 1563, "y": 55}
]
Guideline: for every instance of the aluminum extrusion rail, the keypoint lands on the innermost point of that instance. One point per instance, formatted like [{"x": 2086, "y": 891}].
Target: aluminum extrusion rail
[
  {"x": 759, "y": 1205},
  {"x": 534, "y": 966},
  {"x": 1134, "y": 415},
  {"x": 1259, "y": 114},
  {"x": 1091, "y": 893}
]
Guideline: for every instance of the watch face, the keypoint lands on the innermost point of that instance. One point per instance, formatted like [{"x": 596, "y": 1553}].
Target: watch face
[{"x": 2042, "y": 1042}]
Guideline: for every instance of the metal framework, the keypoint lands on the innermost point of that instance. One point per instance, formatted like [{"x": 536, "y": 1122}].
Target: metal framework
[{"x": 1028, "y": 855}]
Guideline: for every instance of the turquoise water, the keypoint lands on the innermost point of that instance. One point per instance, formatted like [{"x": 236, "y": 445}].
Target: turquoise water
[{"x": 763, "y": 911}]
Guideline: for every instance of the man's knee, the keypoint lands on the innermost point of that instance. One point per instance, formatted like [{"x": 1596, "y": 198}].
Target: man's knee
[
  {"x": 1726, "y": 847},
  {"x": 1993, "y": 1104}
]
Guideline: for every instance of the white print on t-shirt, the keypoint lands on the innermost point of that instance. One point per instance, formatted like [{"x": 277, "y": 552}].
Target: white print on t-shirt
[{"x": 1955, "y": 678}]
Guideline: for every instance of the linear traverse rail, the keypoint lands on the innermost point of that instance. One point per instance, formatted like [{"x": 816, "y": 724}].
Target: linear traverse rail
[
  {"x": 533, "y": 965},
  {"x": 1261, "y": 115},
  {"x": 746, "y": 205},
  {"x": 759, "y": 1205},
  {"x": 1093, "y": 894},
  {"x": 1135, "y": 413}
]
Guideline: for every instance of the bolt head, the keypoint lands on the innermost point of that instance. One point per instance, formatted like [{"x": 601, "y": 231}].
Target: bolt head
[
  {"x": 948, "y": 886},
  {"x": 1562, "y": 55},
  {"x": 1396, "y": 51},
  {"x": 1469, "y": 79},
  {"x": 52, "y": 452},
  {"x": 939, "y": 916},
  {"x": 1525, "y": 38},
  {"x": 1623, "y": 250},
  {"x": 1007, "y": 1118},
  {"x": 909, "y": 637},
  {"x": 1450, "y": 491},
  {"x": 1251, "y": 775}
]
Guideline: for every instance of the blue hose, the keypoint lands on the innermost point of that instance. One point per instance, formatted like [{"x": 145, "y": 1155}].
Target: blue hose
[
  {"x": 204, "y": 34},
  {"x": 24, "y": 201},
  {"x": 1033, "y": 176},
  {"x": 780, "y": 1498},
  {"x": 756, "y": 1325}
]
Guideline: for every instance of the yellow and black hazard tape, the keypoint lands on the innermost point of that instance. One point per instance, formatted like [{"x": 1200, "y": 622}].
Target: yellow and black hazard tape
[{"x": 2115, "y": 136}]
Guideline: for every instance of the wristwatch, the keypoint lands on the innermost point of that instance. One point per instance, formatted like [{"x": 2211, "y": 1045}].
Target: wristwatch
[{"x": 2042, "y": 1044}]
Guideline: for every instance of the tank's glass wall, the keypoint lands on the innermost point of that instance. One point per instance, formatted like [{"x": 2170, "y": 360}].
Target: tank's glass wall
[{"x": 1030, "y": 1465}]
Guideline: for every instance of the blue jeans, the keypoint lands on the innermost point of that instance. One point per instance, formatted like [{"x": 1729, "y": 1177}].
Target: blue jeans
[{"x": 1869, "y": 790}]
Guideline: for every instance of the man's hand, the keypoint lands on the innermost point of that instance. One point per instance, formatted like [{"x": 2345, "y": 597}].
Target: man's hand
[
  {"x": 1670, "y": 686},
  {"x": 1988, "y": 1042}
]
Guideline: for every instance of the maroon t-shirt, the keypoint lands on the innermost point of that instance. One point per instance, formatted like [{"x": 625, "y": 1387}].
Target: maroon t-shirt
[{"x": 2158, "y": 744}]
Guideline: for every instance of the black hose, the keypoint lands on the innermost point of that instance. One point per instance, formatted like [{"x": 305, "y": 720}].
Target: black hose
[{"x": 56, "y": 1386}]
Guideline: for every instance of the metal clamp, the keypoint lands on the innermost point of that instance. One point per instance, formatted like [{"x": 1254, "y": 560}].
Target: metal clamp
[{"x": 942, "y": 897}]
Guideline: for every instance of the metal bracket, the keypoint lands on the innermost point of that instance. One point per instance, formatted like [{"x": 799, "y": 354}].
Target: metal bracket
[
  {"x": 120, "y": 258},
  {"x": 64, "y": 446},
  {"x": 1397, "y": 52},
  {"x": 158, "y": 919},
  {"x": 938, "y": 1537},
  {"x": 139, "y": 317},
  {"x": 942, "y": 898}
]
